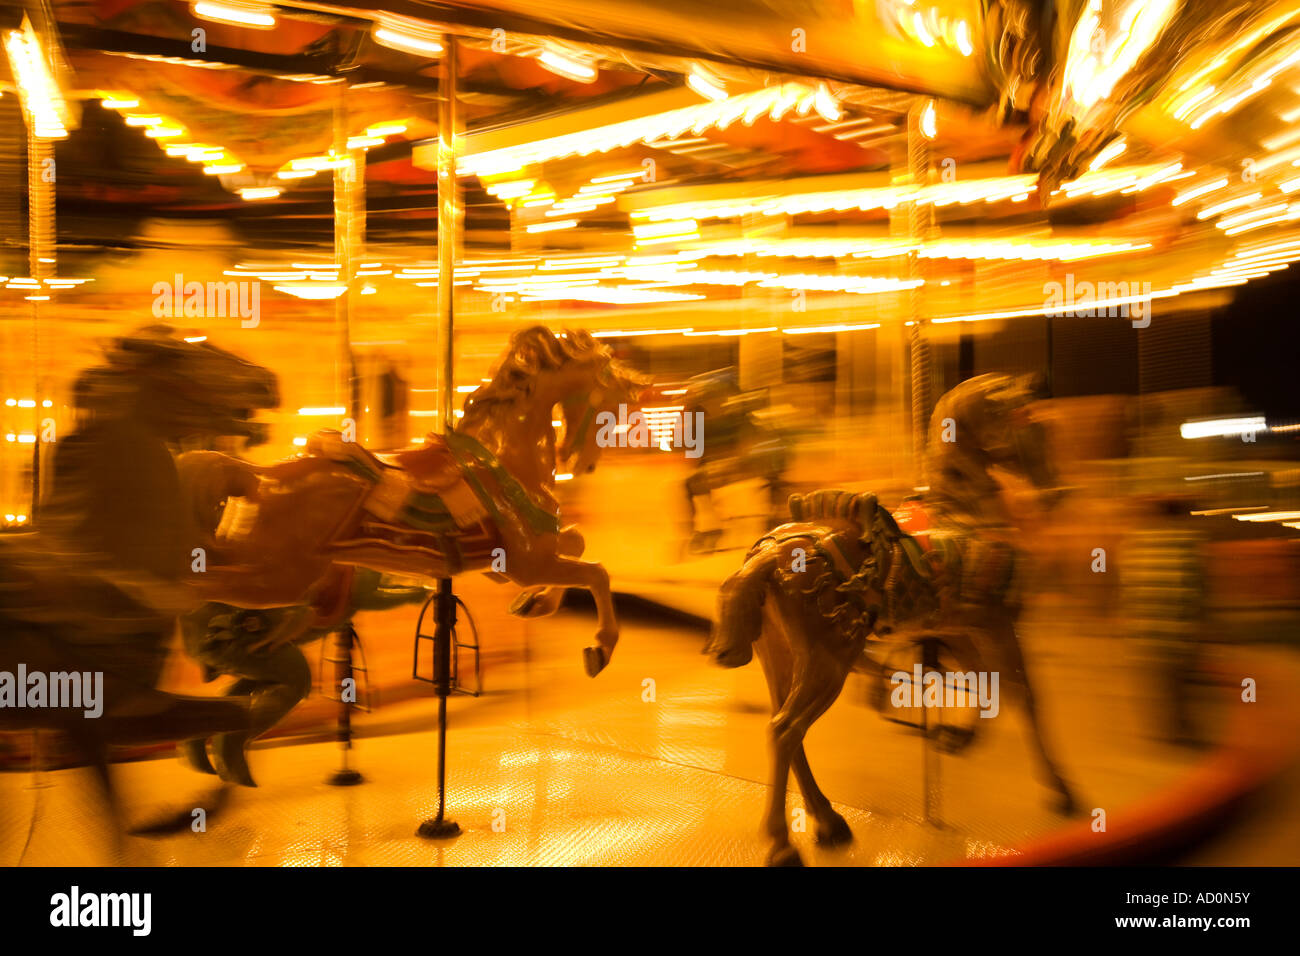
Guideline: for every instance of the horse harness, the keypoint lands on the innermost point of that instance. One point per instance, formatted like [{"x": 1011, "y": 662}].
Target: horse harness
[{"x": 877, "y": 574}]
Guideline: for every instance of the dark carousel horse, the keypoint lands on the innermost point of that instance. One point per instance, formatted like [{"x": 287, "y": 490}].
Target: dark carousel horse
[
  {"x": 812, "y": 592},
  {"x": 740, "y": 447},
  {"x": 97, "y": 586},
  {"x": 261, "y": 647}
]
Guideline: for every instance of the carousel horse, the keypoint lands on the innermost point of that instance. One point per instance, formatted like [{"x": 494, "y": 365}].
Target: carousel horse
[
  {"x": 481, "y": 497},
  {"x": 96, "y": 587},
  {"x": 740, "y": 448},
  {"x": 261, "y": 648},
  {"x": 812, "y": 592}
]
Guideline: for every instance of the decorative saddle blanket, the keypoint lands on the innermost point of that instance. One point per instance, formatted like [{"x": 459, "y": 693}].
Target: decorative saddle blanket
[
  {"x": 447, "y": 499},
  {"x": 933, "y": 564},
  {"x": 422, "y": 488}
]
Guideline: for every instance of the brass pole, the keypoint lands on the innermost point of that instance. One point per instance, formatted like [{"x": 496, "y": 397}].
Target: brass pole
[
  {"x": 347, "y": 190},
  {"x": 449, "y": 213},
  {"x": 348, "y": 209},
  {"x": 41, "y": 265},
  {"x": 439, "y": 827},
  {"x": 919, "y": 227}
]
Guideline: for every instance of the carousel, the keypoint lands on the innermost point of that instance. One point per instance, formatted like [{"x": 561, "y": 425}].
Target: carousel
[{"x": 398, "y": 400}]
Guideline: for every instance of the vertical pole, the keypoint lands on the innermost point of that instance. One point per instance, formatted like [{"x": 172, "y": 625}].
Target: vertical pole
[
  {"x": 344, "y": 640},
  {"x": 918, "y": 215},
  {"x": 347, "y": 190},
  {"x": 930, "y": 782},
  {"x": 449, "y": 213},
  {"x": 41, "y": 266},
  {"x": 448, "y": 234}
]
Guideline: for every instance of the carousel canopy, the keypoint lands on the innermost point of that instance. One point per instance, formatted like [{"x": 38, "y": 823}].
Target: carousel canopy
[{"x": 697, "y": 153}]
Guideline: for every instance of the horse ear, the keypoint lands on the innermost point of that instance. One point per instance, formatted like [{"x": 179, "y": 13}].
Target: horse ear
[
  {"x": 150, "y": 338},
  {"x": 580, "y": 340},
  {"x": 1033, "y": 385},
  {"x": 146, "y": 344},
  {"x": 526, "y": 347},
  {"x": 638, "y": 388},
  {"x": 1004, "y": 387}
]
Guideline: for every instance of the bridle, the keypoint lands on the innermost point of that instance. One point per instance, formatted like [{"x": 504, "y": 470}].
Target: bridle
[{"x": 603, "y": 380}]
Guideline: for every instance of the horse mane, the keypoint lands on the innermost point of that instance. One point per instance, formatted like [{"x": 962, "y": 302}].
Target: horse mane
[
  {"x": 532, "y": 350},
  {"x": 121, "y": 367}
]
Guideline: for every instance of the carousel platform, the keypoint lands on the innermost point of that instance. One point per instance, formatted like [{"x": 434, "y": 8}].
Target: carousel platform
[{"x": 662, "y": 761}]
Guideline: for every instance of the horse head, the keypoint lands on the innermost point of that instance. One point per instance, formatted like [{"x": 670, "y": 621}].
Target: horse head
[
  {"x": 1014, "y": 438},
  {"x": 180, "y": 389},
  {"x": 984, "y": 423},
  {"x": 602, "y": 386},
  {"x": 542, "y": 370}
]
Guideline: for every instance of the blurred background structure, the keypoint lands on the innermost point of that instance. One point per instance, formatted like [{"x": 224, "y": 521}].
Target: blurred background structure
[{"x": 806, "y": 220}]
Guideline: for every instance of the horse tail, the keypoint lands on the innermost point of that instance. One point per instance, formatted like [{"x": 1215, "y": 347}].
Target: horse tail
[{"x": 740, "y": 610}]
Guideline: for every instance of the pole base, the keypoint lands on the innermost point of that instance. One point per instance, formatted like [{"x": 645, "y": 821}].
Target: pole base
[
  {"x": 344, "y": 778},
  {"x": 438, "y": 829}
]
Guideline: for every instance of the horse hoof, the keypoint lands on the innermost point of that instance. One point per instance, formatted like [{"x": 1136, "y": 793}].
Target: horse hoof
[
  {"x": 194, "y": 754},
  {"x": 953, "y": 740},
  {"x": 232, "y": 764},
  {"x": 524, "y": 603},
  {"x": 1063, "y": 802},
  {"x": 164, "y": 823},
  {"x": 737, "y": 657},
  {"x": 784, "y": 856},
  {"x": 836, "y": 833},
  {"x": 878, "y": 695},
  {"x": 170, "y": 821},
  {"x": 239, "y": 775},
  {"x": 594, "y": 659}
]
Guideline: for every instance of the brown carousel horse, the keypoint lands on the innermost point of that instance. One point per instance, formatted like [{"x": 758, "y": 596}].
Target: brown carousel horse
[
  {"x": 481, "y": 497},
  {"x": 812, "y": 592}
]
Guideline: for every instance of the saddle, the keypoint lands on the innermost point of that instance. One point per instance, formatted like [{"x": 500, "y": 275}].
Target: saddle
[
  {"x": 956, "y": 564},
  {"x": 417, "y": 508},
  {"x": 423, "y": 487},
  {"x": 864, "y": 511},
  {"x": 880, "y": 578},
  {"x": 925, "y": 547}
]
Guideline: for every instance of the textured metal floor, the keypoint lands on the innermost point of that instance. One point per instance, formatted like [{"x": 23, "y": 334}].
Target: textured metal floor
[
  {"x": 553, "y": 768},
  {"x": 522, "y": 799}
]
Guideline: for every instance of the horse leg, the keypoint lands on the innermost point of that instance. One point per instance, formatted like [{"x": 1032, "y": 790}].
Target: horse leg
[
  {"x": 228, "y": 758},
  {"x": 700, "y": 485},
  {"x": 774, "y": 656},
  {"x": 953, "y": 740},
  {"x": 1006, "y": 644},
  {"x": 537, "y": 602},
  {"x": 691, "y": 486},
  {"x": 809, "y": 699},
  {"x": 812, "y": 677},
  {"x": 782, "y": 852},
  {"x": 277, "y": 681},
  {"x": 194, "y": 754},
  {"x": 826, "y": 674},
  {"x": 545, "y": 601},
  {"x": 571, "y": 572},
  {"x": 690, "y": 507},
  {"x": 95, "y": 750},
  {"x": 832, "y": 828}
]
